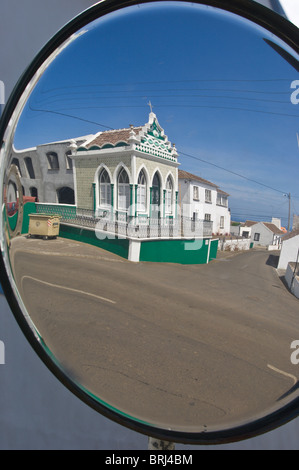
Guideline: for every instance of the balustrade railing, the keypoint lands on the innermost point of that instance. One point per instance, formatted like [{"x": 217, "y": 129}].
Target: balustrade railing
[{"x": 123, "y": 225}]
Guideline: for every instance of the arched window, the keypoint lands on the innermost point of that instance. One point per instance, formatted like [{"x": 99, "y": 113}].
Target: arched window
[
  {"x": 68, "y": 160},
  {"x": 105, "y": 188},
  {"x": 53, "y": 162},
  {"x": 34, "y": 192},
  {"x": 66, "y": 195},
  {"x": 123, "y": 190},
  {"x": 141, "y": 192},
  {"x": 168, "y": 196},
  {"x": 29, "y": 168}
]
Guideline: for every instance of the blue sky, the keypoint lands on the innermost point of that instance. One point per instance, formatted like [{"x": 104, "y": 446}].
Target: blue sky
[{"x": 220, "y": 92}]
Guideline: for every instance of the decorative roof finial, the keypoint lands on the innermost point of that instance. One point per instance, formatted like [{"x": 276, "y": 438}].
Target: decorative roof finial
[
  {"x": 73, "y": 145},
  {"x": 150, "y": 105},
  {"x": 132, "y": 138}
]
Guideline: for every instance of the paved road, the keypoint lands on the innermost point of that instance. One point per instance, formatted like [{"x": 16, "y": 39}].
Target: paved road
[{"x": 187, "y": 346}]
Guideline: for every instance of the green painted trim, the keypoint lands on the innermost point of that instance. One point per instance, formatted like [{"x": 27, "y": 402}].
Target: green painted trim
[
  {"x": 66, "y": 211},
  {"x": 94, "y": 196},
  {"x": 12, "y": 220},
  {"x": 175, "y": 251},
  {"x": 112, "y": 200},
  {"x": 150, "y": 202},
  {"x": 118, "y": 246},
  {"x": 213, "y": 249},
  {"x": 136, "y": 189},
  {"x": 131, "y": 200}
]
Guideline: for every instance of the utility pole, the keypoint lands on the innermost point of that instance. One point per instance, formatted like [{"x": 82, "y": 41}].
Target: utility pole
[{"x": 289, "y": 217}]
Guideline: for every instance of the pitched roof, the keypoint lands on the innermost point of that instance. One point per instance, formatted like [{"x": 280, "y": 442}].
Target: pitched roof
[
  {"x": 220, "y": 191},
  {"x": 189, "y": 176},
  {"x": 292, "y": 234},
  {"x": 112, "y": 137},
  {"x": 273, "y": 228},
  {"x": 249, "y": 223},
  {"x": 269, "y": 225}
]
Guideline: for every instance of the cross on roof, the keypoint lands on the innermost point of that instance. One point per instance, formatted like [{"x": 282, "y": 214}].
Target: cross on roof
[{"x": 150, "y": 105}]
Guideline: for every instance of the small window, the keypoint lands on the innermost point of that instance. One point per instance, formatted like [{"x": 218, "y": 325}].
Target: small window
[
  {"x": 222, "y": 221},
  {"x": 105, "y": 189},
  {"x": 208, "y": 217},
  {"x": 68, "y": 160},
  {"x": 141, "y": 192},
  {"x": 221, "y": 200},
  {"x": 208, "y": 195},
  {"x": 123, "y": 190},
  {"x": 168, "y": 196},
  {"x": 34, "y": 193},
  {"x": 53, "y": 162},
  {"x": 29, "y": 168},
  {"x": 66, "y": 195},
  {"x": 195, "y": 193},
  {"x": 256, "y": 237}
]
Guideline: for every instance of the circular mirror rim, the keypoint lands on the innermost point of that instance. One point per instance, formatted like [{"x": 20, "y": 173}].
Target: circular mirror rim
[{"x": 252, "y": 11}]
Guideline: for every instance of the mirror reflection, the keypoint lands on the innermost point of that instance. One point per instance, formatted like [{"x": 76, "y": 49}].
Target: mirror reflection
[{"x": 151, "y": 215}]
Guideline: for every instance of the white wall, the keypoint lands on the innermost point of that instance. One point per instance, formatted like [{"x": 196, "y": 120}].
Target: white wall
[
  {"x": 293, "y": 283},
  {"x": 289, "y": 251},
  {"x": 36, "y": 411},
  {"x": 200, "y": 207}
]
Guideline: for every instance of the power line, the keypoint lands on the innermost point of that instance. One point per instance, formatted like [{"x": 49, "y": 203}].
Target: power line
[
  {"x": 179, "y": 151},
  {"x": 118, "y": 106},
  {"x": 71, "y": 116},
  {"x": 232, "y": 172},
  {"x": 244, "y": 98},
  {"x": 159, "y": 82}
]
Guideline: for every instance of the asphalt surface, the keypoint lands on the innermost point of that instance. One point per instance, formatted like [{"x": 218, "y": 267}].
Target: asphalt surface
[{"x": 189, "y": 347}]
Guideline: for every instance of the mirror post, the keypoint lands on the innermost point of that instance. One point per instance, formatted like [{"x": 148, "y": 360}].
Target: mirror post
[{"x": 157, "y": 444}]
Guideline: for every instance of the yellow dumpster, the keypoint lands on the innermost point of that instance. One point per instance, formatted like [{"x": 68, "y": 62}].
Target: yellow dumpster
[{"x": 44, "y": 225}]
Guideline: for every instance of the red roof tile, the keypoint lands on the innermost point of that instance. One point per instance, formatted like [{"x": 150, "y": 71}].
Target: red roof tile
[
  {"x": 112, "y": 137},
  {"x": 189, "y": 176}
]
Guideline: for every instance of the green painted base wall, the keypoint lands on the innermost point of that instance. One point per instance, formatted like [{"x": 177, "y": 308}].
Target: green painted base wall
[
  {"x": 163, "y": 251},
  {"x": 213, "y": 249},
  {"x": 28, "y": 208},
  {"x": 12, "y": 220},
  {"x": 178, "y": 251},
  {"x": 118, "y": 246}
]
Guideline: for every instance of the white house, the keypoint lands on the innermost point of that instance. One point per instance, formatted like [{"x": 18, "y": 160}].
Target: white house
[
  {"x": 289, "y": 249},
  {"x": 200, "y": 199},
  {"x": 266, "y": 234}
]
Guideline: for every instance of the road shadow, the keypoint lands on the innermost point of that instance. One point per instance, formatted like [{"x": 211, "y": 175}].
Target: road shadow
[
  {"x": 272, "y": 260},
  {"x": 289, "y": 392}
]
